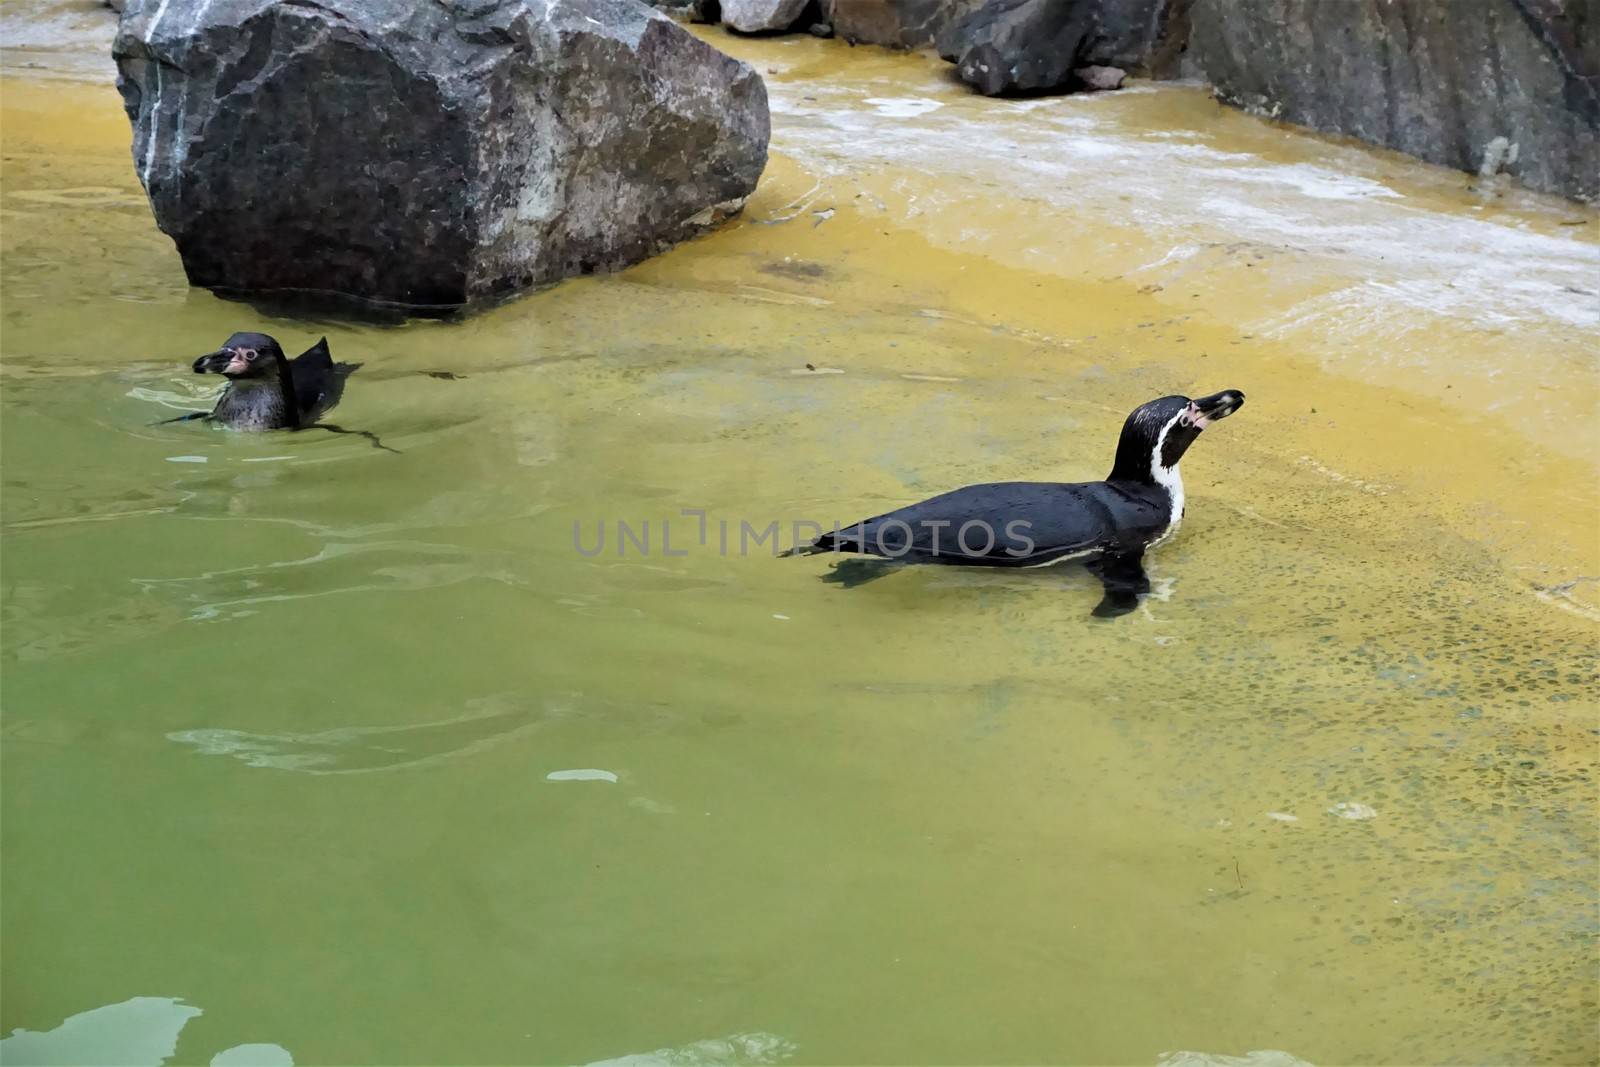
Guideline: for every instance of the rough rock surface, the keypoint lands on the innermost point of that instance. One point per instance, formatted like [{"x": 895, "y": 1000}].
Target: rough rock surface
[
  {"x": 754, "y": 16},
  {"x": 894, "y": 23},
  {"x": 430, "y": 154},
  {"x": 1017, "y": 46},
  {"x": 1014, "y": 46},
  {"x": 1142, "y": 36},
  {"x": 1442, "y": 81}
]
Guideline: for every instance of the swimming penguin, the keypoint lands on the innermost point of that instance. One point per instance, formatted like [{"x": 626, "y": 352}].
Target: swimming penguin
[
  {"x": 1107, "y": 525},
  {"x": 269, "y": 392}
]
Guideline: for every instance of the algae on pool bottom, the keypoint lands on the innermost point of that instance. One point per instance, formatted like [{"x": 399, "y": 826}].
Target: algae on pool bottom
[{"x": 282, "y": 713}]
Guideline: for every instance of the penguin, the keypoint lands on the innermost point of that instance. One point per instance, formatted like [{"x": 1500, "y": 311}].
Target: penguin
[
  {"x": 1107, "y": 525},
  {"x": 265, "y": 390},
  {"x": 268, "y": 391}
]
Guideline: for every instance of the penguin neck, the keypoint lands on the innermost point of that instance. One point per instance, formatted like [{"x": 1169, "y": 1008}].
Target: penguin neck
[
  {"x": 268, "y": 402},
  {"x": 291, "y": 404},
  {"x": 1140, "y": 463},
  {"x": 1168, "y": 478}
]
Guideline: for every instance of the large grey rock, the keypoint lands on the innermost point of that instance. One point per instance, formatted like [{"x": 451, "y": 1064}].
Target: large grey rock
[
  {"x": 1019, "y": 46},
  {"x": 434, "y": 153},
  {"x": 894, "y": 23},
  {"x": 1443, "y": 81},
  {"x": 1144, "y": 36},
  {"x": 754, "y": 16},
  {"x": 1016, "y": 46}
]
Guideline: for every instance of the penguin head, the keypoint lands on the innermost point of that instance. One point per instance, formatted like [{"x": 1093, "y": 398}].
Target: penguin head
[
  {"x": 1158, "y": 433},
  {"x": 243, "y": 357}
]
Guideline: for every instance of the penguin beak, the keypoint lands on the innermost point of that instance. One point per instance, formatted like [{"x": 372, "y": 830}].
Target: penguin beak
[
  {"x": 222, "y": 361},
  {"x": 213, "y": 362},
  {"x": 1205, "y": 410}
]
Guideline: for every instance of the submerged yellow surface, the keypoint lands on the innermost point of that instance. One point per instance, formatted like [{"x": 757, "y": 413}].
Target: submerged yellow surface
[{"x": 282, "y": 711}]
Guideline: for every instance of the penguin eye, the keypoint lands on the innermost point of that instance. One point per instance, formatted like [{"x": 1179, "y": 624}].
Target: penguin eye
[{"x": 249, "y": 355}]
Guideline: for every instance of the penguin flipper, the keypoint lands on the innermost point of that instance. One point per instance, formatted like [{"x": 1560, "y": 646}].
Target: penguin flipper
[
  {"x": 318, "y": 380},
  {"x": 186, "y": 417},
  {"x": 1123, "y": 578},
  {"x": 315, "y": 358}
]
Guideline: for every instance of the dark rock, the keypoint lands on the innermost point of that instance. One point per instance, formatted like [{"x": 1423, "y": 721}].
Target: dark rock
[
  {"x": 820, "y": 29},
  {"x": 1143, "y": 36},
  {"x": 1444, "y": 82},
  {"x": 755, "y": 16},
  {"x": 708, "y": 12},
  {"x": 115, "y": 5},
  {"x": 1012, "y": 46},
  {"x": 894, "y": 23},
  {"x": 430, "y": 154}
]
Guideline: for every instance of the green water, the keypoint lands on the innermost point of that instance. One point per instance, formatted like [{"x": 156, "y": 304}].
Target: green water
[{"x": 280, "y": 711}]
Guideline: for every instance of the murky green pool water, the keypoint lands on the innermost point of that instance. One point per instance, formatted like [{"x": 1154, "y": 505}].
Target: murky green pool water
[{"x": 281, "y": 712}]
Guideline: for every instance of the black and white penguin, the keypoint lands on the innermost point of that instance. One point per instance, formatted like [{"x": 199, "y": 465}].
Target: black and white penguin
[
  {"x": 267, "y": 391},
  {"x": 1107, "y": 525}
]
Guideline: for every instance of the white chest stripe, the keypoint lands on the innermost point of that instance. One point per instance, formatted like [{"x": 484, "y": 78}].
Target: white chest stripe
[{"x": 1169, "y": 479}]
